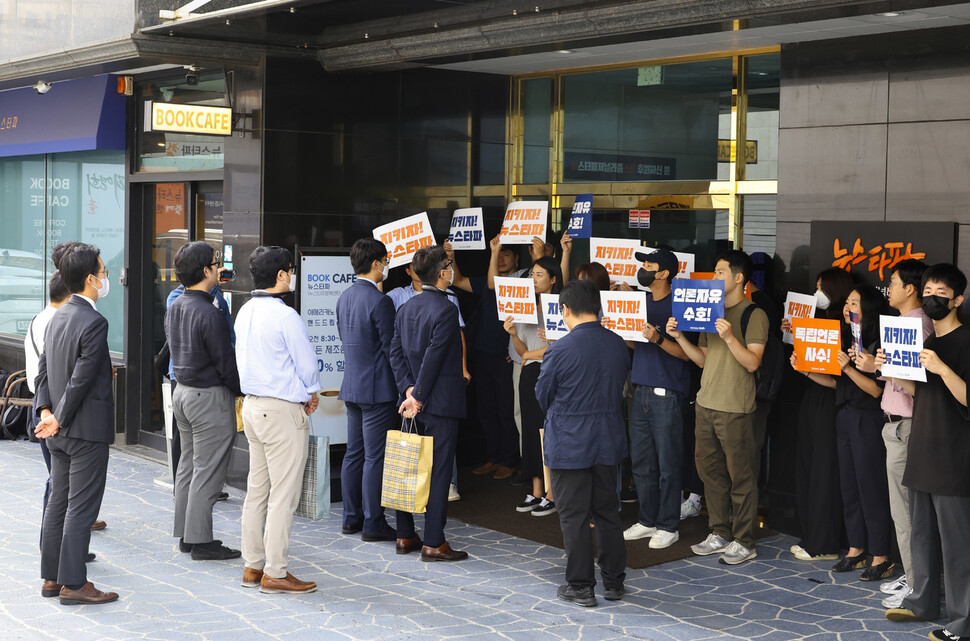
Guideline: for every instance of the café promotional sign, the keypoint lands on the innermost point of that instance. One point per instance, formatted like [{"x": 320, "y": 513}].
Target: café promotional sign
[{"x": 194, "y": 119}]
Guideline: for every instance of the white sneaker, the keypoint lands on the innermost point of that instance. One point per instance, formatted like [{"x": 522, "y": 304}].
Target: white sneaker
[
  {"x": 736, "y": 553},
  {"x": 690, "y": 508},
  {"x": 802, "y": 555},
  {"x": 895, "y": 600},
  {"x": 713, "y": 544},
  {"x": 638, "y": 531},
  {"x": 664, "y": 539},
  {"x": 453, "y": 494},
  {"x": 894, "y": 586}
]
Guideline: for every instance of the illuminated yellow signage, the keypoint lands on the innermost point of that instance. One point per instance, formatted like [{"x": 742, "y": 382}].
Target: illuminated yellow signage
[{"x": 216, "y": 121}]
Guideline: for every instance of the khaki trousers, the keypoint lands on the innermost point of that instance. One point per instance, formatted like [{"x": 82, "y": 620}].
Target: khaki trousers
[
  {"x": 896, "y": 437},
  {"x": 278, "y": 433}
]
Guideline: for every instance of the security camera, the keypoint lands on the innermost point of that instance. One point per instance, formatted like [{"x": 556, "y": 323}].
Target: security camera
[
  {"x": 192, "y": 77},
  {"x": 42, "y": 87}
]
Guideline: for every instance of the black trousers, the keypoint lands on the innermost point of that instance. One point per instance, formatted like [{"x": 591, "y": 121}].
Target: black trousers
[
  {"x": 582, "y": 496},
  {"x": 817, "y": 491},
  {"x": 445, "y": 433},
  {"x": 496, "y": 406},
  {"x": 532, "y": 419},
  {"x": 862, "y": 475}
]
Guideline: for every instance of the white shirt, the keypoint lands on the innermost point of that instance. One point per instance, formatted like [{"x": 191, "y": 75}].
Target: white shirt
[
  {"x": 91, "y": 301},
  {"x": 36, "y": 331}
]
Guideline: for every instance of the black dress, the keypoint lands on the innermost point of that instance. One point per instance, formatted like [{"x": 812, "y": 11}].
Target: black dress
[{"x": 817, "y": 487}]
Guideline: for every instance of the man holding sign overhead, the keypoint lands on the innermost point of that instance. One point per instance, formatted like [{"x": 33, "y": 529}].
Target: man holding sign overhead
[{"x": 725, "y": 450}]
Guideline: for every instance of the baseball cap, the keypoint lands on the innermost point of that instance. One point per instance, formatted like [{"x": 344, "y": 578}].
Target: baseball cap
[{"x": 663, "y": 257}]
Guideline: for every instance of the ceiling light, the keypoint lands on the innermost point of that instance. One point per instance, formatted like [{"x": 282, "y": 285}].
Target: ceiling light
[
  {"x": 42, "y": 87},
  {"x": 566, "y": 51},
  {"x": 890, "y": 14}
]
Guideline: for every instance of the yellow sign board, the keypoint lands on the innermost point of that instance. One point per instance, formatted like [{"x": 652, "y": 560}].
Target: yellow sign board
[
  {"x": 215, "y": 121},
  {"x": 750, "y": 151}
]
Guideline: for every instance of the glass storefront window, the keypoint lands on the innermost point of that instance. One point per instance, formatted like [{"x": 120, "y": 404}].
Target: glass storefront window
[
  {"x": 764, "y": 78},
  {"x": 536, "y": 116}
]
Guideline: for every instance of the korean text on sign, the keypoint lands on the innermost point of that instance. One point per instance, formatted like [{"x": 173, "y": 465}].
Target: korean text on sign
[
  {"x": 817, "y": 344},
  {"x": 617, "y": 255},
  {"x": 404, "y": 237},
  {"x": 902, "y": 341},
  {"x": 523, "y": 221},
  {"x": 696, "y": 304},
  {"x": 467, "y": 230},
  {"x": 797, "y": 306},
  {"x": 626, "y": 312},
  {"x": 685, "y": 264},
  {"x": 552, "y": 320},
  {"x": 516, "y": 297},
  {"x": 880, "y": 257},
  {"x": 580, "y": 221}
]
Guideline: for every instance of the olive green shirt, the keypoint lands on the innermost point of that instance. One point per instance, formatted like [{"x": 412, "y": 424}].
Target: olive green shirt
[{"x": 725, "y": 385}]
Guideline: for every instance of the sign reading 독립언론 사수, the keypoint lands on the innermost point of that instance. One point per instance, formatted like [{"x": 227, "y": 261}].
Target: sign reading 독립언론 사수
[
  {"x": 404, "y": 237},
  {"x": 796, "y": 306},
  {"x": 524, "y": 220},
  {"x": 580, "y": 220},
  {"x": 817, "y": 343},
  {"x": 552, "y": 320},
  {"x": 618, "y": 256},
  {"x": 516, "y": 297},
  {"x": 626, "y": 312},
  {"x": 196, "y": 119},
  {"x": 467, "y": 230},
  {"x": 901, "y": 342},
  {"x": 696, "y": 304}
]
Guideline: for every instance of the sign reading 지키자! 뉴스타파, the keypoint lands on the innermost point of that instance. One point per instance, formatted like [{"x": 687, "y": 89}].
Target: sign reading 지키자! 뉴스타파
[
  {"x": 467, "y": 229},
  {"x": 404, "y": 237},
  {"x": 516, "y": 297},
  {"x": 626, "y": 313},
  {"x": 618, "y": 256},
  {"x": 552, "y": 320},
  {"x": 580, "y": 221},
  {"x": 524, "y": 220},
  {"x": 817, "y": 344},
  {"x": 901, "y": 342},
  {"x": 685, "y": 265},
  {"x": 696, "y": 304},
  {"x": 797, "y": 306}
]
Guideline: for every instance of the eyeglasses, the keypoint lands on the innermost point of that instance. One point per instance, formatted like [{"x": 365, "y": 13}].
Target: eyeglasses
[{"x": 215, "y": 264}]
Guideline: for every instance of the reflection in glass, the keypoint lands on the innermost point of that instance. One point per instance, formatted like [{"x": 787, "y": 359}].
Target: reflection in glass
[
  {"x": 764, "y": 74},
  {"x": 536, "y": 118}
]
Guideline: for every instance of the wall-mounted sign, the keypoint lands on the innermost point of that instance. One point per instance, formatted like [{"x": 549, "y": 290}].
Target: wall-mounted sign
[{"x": 215, "y": 121}]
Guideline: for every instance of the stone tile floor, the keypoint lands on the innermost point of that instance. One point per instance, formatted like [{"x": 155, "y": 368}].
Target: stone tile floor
[{"x": 505, "y": 591}]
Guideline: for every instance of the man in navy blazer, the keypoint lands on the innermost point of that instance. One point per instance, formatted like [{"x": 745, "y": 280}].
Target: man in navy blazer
[
  {"x": 426, "y": 357},
  {"x": 580, "y": 388},
  {"x": 365, "y": 321},
  {"x": 76, "y": 405}
]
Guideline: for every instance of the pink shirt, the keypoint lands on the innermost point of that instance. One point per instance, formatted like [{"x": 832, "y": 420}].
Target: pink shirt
[{"x": 896, "y": 400}]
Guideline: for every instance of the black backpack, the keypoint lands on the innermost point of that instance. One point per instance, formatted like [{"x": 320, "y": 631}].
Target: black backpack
[{"x": 769, "y": 374}]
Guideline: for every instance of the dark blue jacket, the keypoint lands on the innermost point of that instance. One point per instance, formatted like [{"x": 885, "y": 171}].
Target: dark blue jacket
[
  {"x": 426, "y": 353},
  {"x": 365, "y": 321},
  {"x": 580, "y": 388}
]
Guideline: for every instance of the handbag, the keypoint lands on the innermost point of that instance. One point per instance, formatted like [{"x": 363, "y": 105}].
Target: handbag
[
  {"x": 315, "y": 495},
  {"x": 239, "y": 422},
  {"x": 408, "y": 458}
]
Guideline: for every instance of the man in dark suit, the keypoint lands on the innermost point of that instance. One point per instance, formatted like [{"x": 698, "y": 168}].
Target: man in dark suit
[
  {"x": 365, "y": 321},
  {"x": 76, "y": 405},
  {"x": 426, "y": 357}
]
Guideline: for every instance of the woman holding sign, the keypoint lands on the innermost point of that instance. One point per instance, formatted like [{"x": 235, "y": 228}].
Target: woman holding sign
[{"x": 530, "y": 343}]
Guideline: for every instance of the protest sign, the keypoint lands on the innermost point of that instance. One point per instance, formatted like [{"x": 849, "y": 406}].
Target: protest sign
[
  {"x": 796, "y": 306},
  {"x": 580, "y": 221},
  {"x": 696, "y": 304},
  {"x": 685, "y": 263},
  {"x": 552, "y": 320},
  {"x": 855, "y": 324},
  {"x": 627, "y": 312},
  {"x": 617, "y": 255},
  {"x": 467, "y": 230},
  {"x": 523, "y": 221},
  {"x": 902, "y": 341},
  {"x": 404, "y": 237},
  {"x": 817, "y": 344},
  {"x": 516, "y": 298}
]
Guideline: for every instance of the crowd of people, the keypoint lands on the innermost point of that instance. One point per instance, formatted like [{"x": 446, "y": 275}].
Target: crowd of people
[{"x": 878, "y": 459}]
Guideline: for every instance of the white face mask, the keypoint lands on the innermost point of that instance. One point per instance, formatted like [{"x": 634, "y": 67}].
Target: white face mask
[
  {"x": 105, "y": 287},
  {"x": 451, "y": 275},
  {"x": 821, "y": 300},
  {"x": 292, "y": 282}
]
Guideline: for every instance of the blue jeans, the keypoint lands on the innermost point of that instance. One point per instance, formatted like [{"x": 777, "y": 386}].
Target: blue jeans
[{"x": 656, "y": 452}]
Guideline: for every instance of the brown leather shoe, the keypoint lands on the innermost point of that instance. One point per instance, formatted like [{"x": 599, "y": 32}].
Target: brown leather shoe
[
  {"x": 87, "y": 594},
  {"x": 287, "y": 585},
  {"x": 442, "y": 553},
  {"x": 99, "y": 525},
  {"x": 406, "y": 546},
  {"x": 502, "y": 472},
  {"x": 251, "y": 578},
  {"x": 487, "y": 468},
  {"x": 50, "y": 589}
]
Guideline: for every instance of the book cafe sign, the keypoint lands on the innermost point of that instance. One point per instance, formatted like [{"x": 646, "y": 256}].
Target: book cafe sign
[{"x": 194, "y": 119}]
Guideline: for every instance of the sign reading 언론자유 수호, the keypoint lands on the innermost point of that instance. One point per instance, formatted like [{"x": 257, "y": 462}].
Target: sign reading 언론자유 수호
[{"x": 696, "y": 304}]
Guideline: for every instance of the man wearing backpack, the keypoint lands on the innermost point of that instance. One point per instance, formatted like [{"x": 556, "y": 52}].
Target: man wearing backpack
[{"x": 726, "y": 449}]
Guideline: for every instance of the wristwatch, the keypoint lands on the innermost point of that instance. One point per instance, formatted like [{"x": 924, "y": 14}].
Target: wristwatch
[{"x": 660, "y": 339}]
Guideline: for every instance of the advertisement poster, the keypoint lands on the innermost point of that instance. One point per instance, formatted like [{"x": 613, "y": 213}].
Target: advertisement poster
[
  {"x": 685, "y": 263},
  {"x": 627, "y": 312},
  {"x": 902, "y": 341},
  {"x": 467, "y": 229},
  {"x": 696, "y": 304},
  {"x": 617, "y": 255},
  {"x": 552, "y": 320},
  {"x": 404, "y": 237},
  {"x": 817, "y": 343},
  {"x": 581, "y": 219},
  {"x": 322, "y": 280},
  {"x": 516, "y": 297},
  {"x": 523, "y": 221},
  {"x": 796, "y": 306}
]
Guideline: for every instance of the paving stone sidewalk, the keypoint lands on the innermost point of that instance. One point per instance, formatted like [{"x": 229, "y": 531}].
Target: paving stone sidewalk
[{"x": 367, "y": 592}]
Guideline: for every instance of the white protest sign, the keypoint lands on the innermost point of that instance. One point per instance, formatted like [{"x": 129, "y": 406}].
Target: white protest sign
[
  {"x": 552, "y": 320},
  {"x": 523, "y": 221},
  {"x": 902, "y": 341},
  {"x": 685, "y": 264},
  {"x": 467, "y": 230},
  {"x": 627, "y": 312},
  {"x": 617, "y": 255},
  {"x": 516, "y": 297},
  {"x": 404, "y": 237},
  {"x": 796, "y": 306}
]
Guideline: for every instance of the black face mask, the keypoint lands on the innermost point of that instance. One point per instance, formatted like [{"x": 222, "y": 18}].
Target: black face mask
[
  {"x": 646, "y": 278},
  {"x": 936, "y": 307}
]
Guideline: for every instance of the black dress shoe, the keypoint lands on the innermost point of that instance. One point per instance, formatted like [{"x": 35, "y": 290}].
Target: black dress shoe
[
  {"x": 579, "y": 596},
  {"x": 878, "y": 572},
  {"x": 351, "y": 529},
  {"x": 213, "y": 551},
  {"x": 90, "y": 557},
  {"x": 223, "y": 496},
  {"x": 184, "y": 547},
  {"x": 387, "y": 534},
  {"x": 848, "y": 563}
]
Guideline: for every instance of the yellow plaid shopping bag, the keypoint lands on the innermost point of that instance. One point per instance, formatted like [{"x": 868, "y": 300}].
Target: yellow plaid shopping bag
[{"x": 407, "y": 469}]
